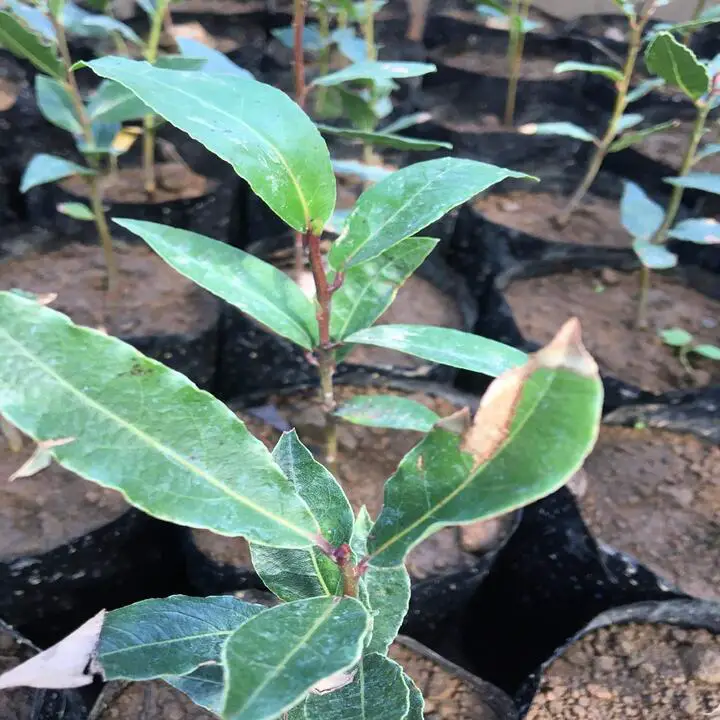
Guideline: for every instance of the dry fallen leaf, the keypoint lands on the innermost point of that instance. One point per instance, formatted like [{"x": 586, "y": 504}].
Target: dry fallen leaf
[{"x": 67, "y": 664}]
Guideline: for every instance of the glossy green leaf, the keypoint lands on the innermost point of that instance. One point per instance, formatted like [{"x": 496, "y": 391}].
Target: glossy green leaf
[
  {"x": 34, "y": 18},
  {"x": 640, "y": 215},
  {"x": 443, "y": 345},
  {"x": 407, "y": 201},
  {"x": 375, "y": 71},
  {"x": 273, "y": 660},
  {"x": 49, "y": 168},
  {"x": 707, "y": 182},
  {"x": 177, "y": 454},
  {"x": 704, "y": 231},
  {"x": 204, "y": 686},
  {"x": 643, "y": 89},
  {"x": 258, "y": 129},
  {"x": 113, "y": 102},
  {"x": 712, "y": 352},
  {"x": 677, "y": 65},
  {"x": 626, "y": 6},
  {"x": 76, "y": 210},
  {"x": 633, "y": 138},
  {"x": 386, "y": 591},
  {"x": 215, "y": 61},
  {"x": 312, "y": 40},
  {"x": 383, "y": 139},
  {"x": 377, "y": 692},
  {"x": 605, "y": 70},
  {"x": 85, "y": 24},
  {"x": 388, "y": 411},
  {"x": 677, "y": 337},
  {"x": 370, "y": 288},
  {"x": 169, "y": 636},
  {"x": 298, "y": 574},
  {"x": 628, "y": 121},
  {"x": 564, "y": 129},
  {"x": 654, "y": 256},
  {"x": 417, "y": 703},
  {"x": 56, "y": 105},
  {"x": 24, "y": 43},
  {"x": 707, "y": 151},
  {"x": 350, "y": 44},
  {"x": 254, "y": 286},
  {"x": 535, "y": 427}
]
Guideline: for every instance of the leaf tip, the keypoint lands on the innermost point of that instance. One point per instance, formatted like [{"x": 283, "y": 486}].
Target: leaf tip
[{"x": 566, "y": 350}]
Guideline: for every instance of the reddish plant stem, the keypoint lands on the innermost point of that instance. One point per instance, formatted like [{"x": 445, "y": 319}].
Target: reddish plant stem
[{"x": 299, "y": 8}]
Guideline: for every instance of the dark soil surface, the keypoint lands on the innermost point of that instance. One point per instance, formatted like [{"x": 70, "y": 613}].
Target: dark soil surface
[
  {"x": 606, "y": 305},
  {"x": 447, "y": 697},
  {"x": 154, "y": 299},
  {"x": 175, "y": 181},
  {"x": 643, "y": 672},
  {"x": 656, "y": 495},
  {"x": 478, "y": 60},
  {"x": 596, "y": 222},
  {"x": 48, "y": 509},
  {"x": 367, "y": 458}
]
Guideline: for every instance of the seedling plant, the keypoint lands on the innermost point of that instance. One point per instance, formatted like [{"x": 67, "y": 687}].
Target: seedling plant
[
  {"x": 650, "y": 225},
  {"x": 685, "y": 344},
  {"x": 322, "y": 652}
]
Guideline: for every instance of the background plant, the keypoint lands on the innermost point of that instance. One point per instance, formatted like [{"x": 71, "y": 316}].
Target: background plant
[
  {"x": 685, "y": 344},
  {"x": 647, "y": 222}
]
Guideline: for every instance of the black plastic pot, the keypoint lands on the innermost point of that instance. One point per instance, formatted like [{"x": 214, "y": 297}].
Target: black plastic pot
[
  {"x": 130, "y": 558},
  {"x": 687, "y": 613},
  {"x": 551, "y": 579},
  {"x": 437, "y": 601},
  {"x": 194, "y": 353},
  {"x": 252, "y": 359},
  {"x": 33, "y": 703}
]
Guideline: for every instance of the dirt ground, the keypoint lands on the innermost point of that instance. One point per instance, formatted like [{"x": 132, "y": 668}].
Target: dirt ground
[{"x": 571, "y": 8}]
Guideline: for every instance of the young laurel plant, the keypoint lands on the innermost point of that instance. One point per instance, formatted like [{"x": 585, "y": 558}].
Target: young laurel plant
[
  {"x": 621, "y": 130},
  {"x": 276, "y": 148},
  {"x": 647, "y": 222},
  {"x": 685, "y": 344}
]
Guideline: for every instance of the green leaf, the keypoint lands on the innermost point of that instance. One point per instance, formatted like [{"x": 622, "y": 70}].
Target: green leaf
[
  {"x": 388, "y": 411},
  {"x": 640, "y": 215},
  {"x": 677, "y": 337},
  {"x": 84, "y": 24},
  {"x": 204, "y": 686},
  {"x": 298, "y": 574},
  {"x": 627, "y": 7},
  {"x": 274, "y": 659},
  {"x": 407, "y": 121},
  {"x": 24, "y": 43},
  {"x": 564, "y": 129},
  {"x": 177, "y": 454},
  {"x": 417, "y": 703},
  {"x": 677, "y": 65},
  {"x": 258, "y": 129},
  {"x": 712, "y": 352},
  {"x": 605, "y": 70},
  {"x": 704, "y": 231},
  {"x": 56, "y": 105},
  {"x": 443, "y": 345},
  {"x": 169, "y": 636},
  {"x": 56, "y": 7},
  {"x": 35, "y": 19},
  {"x": 370, "y": 288},
  {"x": 49, "y": 168},
  {"x": 535, "y": 426},
  {"x": 113, "y": 102},
  {"x": 643, "y": 89},
  {"x": 382, "y": 139},
  {"x": 215, "y": 61},
  {"x": 407, "y": 201},
  {"x": 375, "y": 71},
  {"x": 707, "y": 151},
  {"x": 254, "y": 286},
  {"x": 386, "y": 592},
  {"x": 368, "y": 173},
  {"x": 378, "y": 692},
  {"x": 628, "y": 121},
  {"x": 638, "y": 136},
  {"x": 654, "y": 256},
  {"x": 707, "y": 182},
  {"x": 76, "y": 210}
]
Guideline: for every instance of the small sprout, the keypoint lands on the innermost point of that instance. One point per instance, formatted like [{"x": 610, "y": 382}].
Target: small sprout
[{"x": 685, "y": 344}]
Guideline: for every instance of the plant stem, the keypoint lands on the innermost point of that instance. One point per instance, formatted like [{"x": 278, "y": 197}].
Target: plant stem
[
  {"x": 325, "y": 353},
  {"x": 299, "y": 9},
  {"x": 703, "y": 109},
  {"x": 603, "y": 147},
  {"x": 151, "y": 55},
  {"x": 699, "y": 9},
  {"x": 641, "y": 318},
  {"x": 95, "y": 183},
  {"x": 520, "y": 9},
  {"x": 369, "y": 30}
]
